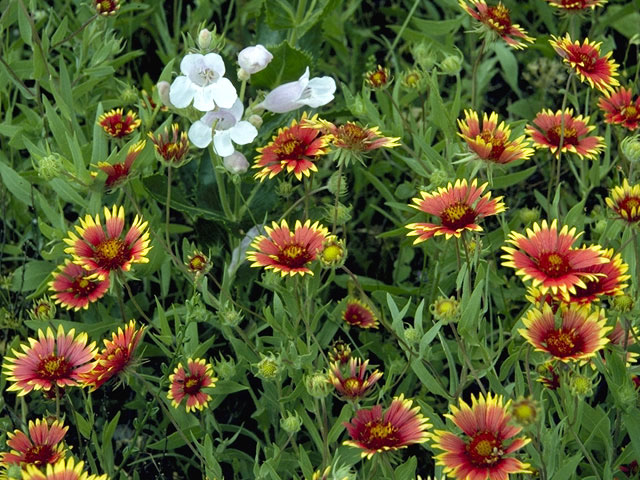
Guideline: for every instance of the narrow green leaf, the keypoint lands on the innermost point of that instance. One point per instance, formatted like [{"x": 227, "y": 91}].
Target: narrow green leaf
[{"x": 18, "y": 186}]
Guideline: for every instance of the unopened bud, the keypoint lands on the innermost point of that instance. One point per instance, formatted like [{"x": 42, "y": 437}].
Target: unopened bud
[
  {"x": 524, "y": 411},
  {"x": 236, "y": 163},
  {"x": 243, "y": 75},
  {"x": 439, "y": 177},
  {"x": 580, "y": 385},
  {"x": 623, "y": 303},
  {"x": 268, "y": 367},
  {"x": 317, "y": 385},
  {"x": 451, "y": 65},
  {"x": 630, "y": 148},
  {"x": 337, "y": 184},
  {"x": 226, "y": 369},
  {"x": 163, "y": 92},
  {"x": 254, "y": 59},
  {"x": 255, "y": 120},
  {"x": 333, "y": 253},
  {"x": 291, "y": 423},
  {"x": 412, "y": 336},
  {"x": 204, "y": 39},
  {"x": 529, "y": 215},
  {"x": 284, "y": 189},
  {"x": 43, "y": 309},
  {"x": 445, "y": 309}
]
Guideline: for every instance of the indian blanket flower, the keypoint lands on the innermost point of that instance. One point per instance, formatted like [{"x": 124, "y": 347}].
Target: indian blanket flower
[
  {"x": 608, "y": 279},
  {"x": 290, "y": 96},
  {"x": 171, "y": 149},
  {"x": 547, "y": 128},
  {"x": 576, "y": 6},
  {"x": 288, "y": 252},
  {"x": 625, "y": 201},
  {"x": 378, "y": 78},
  {"x": 106, "y": 8},
  {"x": 400, "y": 425},
  {"x": 357, "y": 313},
  {"x": 119, "y": 172},
  {"x": 42, "y": 445},
  {"x": 497, "y": 19},
  {"x": 585, "y": 60},
  {"x": 202, "y": 82},
  {"x": 353, "y": 385},
  {"x": 294, "y": 149},
  {"x": 545, "y": 256},
  {"x": 116, "y": 357},
  {"x": 481, "y": 451},
  {"x": 62, "y": 470},
  {"x": 190, "y": 382},
  {"x": 575, "y": 338},
  {"x": 491, "y": 142},
  {"x": 118, "y": 125},
  {"x": 75, "y": 287},
  {"x": 458, "y": 206},
  {"x": 103, "y": 252},
  {"x": 51, "y": 361},
  {"x": 620, "y": 108}
]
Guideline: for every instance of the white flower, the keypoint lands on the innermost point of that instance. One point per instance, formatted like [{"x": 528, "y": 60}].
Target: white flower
[
  {"x": 236, "y": 163},
  {"x": 290, "y": 96},
  {"x": 228, "y": 128},
  {"x": 254, "y": 59},
  {"x": 203, "y": 83}
]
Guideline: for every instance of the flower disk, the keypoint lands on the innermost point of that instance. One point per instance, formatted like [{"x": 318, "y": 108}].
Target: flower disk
[
  {"x": 189, "y": 384},
  {"x": 118, "y": 125},
  {"x": 42, "y": 446},
  {"x": 359, "y": 314},
  {"x": 355, "y": 385},
  {"x": 458, "y": 206},
  {"x": 497, "y": 20},
  {"x": 625, "y": 201},
  {"x": 76, "y": 287},
  {"x": 620, "y": 109}
]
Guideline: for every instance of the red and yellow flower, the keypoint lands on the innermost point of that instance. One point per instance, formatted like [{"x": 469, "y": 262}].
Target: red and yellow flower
[
  {"x": 497, "y": 19},
  {"x": 359, "y": 314},
  {"x": 51, "y": 361},
  {"x": 586, "y": 62},
  {"x": 294, "y": 149},
  {"x": 75, "y": 287},
  {"x": 545, "y": 256},
  {"x": 116, "y": 357},
  {"x": 481, "y": 451},
  {"x": 354, "y": 385},
  {"x": 288, "y": 252},
  {"x": 103, "y": 252},
  {"x": 625, "y": 201},
  {"x": 577, "y": 338},
  {"x": 41, "y": 446},
  {"x": 118, "y": 125},
  {"x": 491, "y": 142},
  {"x": 458, "y": 206},
  {"x": 400, "y": 426},
  {"x": 62, "y": 470},
  {"x": 171, "y": 149},
  {"x": 190, "y": 382},
  {"x": 620, "y": 108},
  {"x": 547, "y": 128},
  {"x": 119, "y": 172},
  {"x": 106, "y": 8},
  {"x": 576, "y": 6},
  {"x": 378, "y": 78}
]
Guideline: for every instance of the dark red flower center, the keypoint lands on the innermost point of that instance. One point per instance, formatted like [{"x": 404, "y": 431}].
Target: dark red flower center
[
  {"x": 553, "y": 264},
  {"x": 500, "y": 16},
  {"x": 378, "y": 434},
  {"x": 82, "y": 287},
  {"x": 587, "y": 61},
  {"x": 563, "y": 343},
  {"x": 198, "y": 263},
  {"x": 294, "y": 256},
  {"x": 111, "y": 254},
  {"x": 628, "y": 204},
  {"x": 352, "y": 386},
  {"x": 458, "y": 215},
  {"x": 630, "y": 112},
  {"x": 484, "y": 449},
  {"x": 570, "y": 135},
  {"x": 290, "y": 148},
  {"x": 497, "y": 144},
  {"x": 192, "y": 384},
  {"x": 53, "y": 368},
  {"x": 39, "y": 455},
  {"x": 352, "y": 135},
  {"x": 120, "y": 171},
  {"x": 356, "y": 314},
  {"x": 378, "y": 78}
]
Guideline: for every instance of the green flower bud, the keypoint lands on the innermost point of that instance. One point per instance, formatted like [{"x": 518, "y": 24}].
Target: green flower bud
[
  {"x": 528, "y": 215},
  {"x": 341, "y": 214},
  {"x": 50, "y": 166},
  {"x": 627, "y": 396},
  {"x": 284, "y": 189},
  {"x": 412, "y": 79},
  {"x": 268, "y": 367},
  {"x": 424, "y": 55},
  {"x": 445, "y": 309},
  {"x": 623, "y": 303},
  {"x": 43, "y": 309},
  {"x": 317, "y": 385},
  {"x": 451, "y": 65},
  {"x": 630, "y": 148},
  {"x": 229, "y": 316},
  {"x": 581, "y": 386},
  {"x": 412, "y": 336},
  {"x": 129, "y": 95},
  {"x": 337, "y": 184},
  {"x": 226, "y": 369},
  {"x": 439, "y": 178},
  {"x": 600, "y": 226},
  {"x": 204, "y": 39},
  {"x": 291, "y": 423},
  {"x": 333, "y": 253}
]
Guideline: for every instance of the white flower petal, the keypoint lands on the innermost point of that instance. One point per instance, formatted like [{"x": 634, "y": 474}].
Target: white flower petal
[
  {"x": 319, "y": 92},
  {"x": 222, "y": 143},
  {"x": 200, "y": 134},
  {"x": 254, "y": 59},
  {"x": 224, "y": 93},
  {"x": 285, "y": 98},
  {"x": 243, "y": 132},
  {"x": 181, "y": 92},
  {"x": 203, "y": 99},
  {"x": 191, "y": 63},
  {"x": 237, "y": 109},
  {"x": 215, "y": 63}
]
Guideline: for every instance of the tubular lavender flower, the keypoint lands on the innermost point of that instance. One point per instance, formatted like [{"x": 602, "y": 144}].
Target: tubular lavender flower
[
  {"x": 290, "y": 96},
  {"x": 254, "y": 59}
]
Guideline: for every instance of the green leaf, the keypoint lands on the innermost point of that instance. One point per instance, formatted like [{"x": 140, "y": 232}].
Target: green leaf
[
  {"x": 18, "y": 186},
  {"x": 338, "y": 427},
  {"x": 28, "y": 277},
  {"x": 427, "y": 379},
  {"x": 508, "y": 63},
  {"x": 84, "y": 426},
  {"x": 631, "y": 421},
  {"x": 407, "y": 469},
  {"x": 510, "y": 179},
  {"x": 288, "y": 65},
  {"x": 569, "y": 468}
]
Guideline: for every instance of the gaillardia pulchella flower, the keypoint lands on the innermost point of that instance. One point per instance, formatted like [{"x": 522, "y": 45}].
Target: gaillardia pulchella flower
[
  {"x": 62, "y": 470},
  {"x": 171, "y": 148},
  {"x": 620, "y": 108},
  {"x": 75, "y": 287},
  {"x": 586, "y": 62},
  {"x": 378, "y": 78},
  {"x": 491, "y": 142},
  {"x": 400, "y": 426},
  {"x": 576, "y": 6},
  {"x": 359, "y": 314},
  {"x": 288, "y": 252},
  {"x": 577, "y": 338},
  {"x": 118, "y": 125},
  {"x": 497, "y": 20},
  {"x": 190, "y": 382},
  {"x": 103, "y": 252},
  {"x": 481, "y": 451},
  {"x": 608, "y": 279},
  {"x": 116, "y": 356},
  {"x": 547, "y": 128},
  {"x": 294, "y": 149},
  {"x": 119, "y": 172},
  {"x": 106, "y": 8},
  {"x": 198, "y": 263},
  {"x": 57, "y": 360},
  {"x": 353, "y": 385},
  {"x": 458, "y": 206},
  {"x": 625, "y": 201},
  {"x": 545, "y": 256},
  {"x": 43, "y": 444}
]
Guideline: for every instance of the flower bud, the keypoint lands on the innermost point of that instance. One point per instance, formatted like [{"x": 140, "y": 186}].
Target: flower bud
[
  {"x": 340, "y": 352},
  {"x": 198, "y": 263},
  {"x": 236, "y": 163},
  {"x": 254, "y": 59},
  {"x": 255, "y": 120},
  {"x": 49, "y": 166},
  {"x": 412, "y": 336},
  {"x": 600, "y": 226},
  {"x": 581, "y": 386},
  {"x": 268, "y": 367},
  {"x": 623, "y": 303},
  {"x": 424, "y": 56},
  {"x": 337, "y": 184},
  {"x": 43, "y": 309},
  {"x": 229, "y": 316},
  {"x": 451, "y": 65},
  {"x": 284, "y": 189},
  {"x": 163, "y": 92},
  {"x": 630, "y": 148},
  {"x": 524, "y": 411},
  {"x": 317, "y": 385},
  {"x": 333, "y": 253},
  {"x": 445, "y": 309},
  {"x": 341, "y": 214},
  {"x": 291, "y": 423},
  {"x": 626, "y": 396},
  {"x": 243, "y": 75},
  {"x": 412, "y": 79},
  {"x": 226, "y": 369},
  {"x": 204, "y": 39},
  {"x": 529, "y": 215},
  {"x": 439, "y": 177}
]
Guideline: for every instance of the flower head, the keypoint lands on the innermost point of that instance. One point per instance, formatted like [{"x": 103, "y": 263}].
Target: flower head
[
  {"x": 358, "y": 313},
  {"x": 333, "y": 253},
  {"x": 547, "y": 128},
  {"x": 198, "y": 263},
  {"x": 549, "y": 376},
  {"x": 445, "y": 309},
  {"x": 290, "y": 96},
  {"x": 586, "y": 62},
  {"x": 171, "y": 150},
  {"x": 400, "y": 426},
  {"x": 41, "y": 446},
  {"x": 378, "y": 78},
  {"x": 619, "y": 108},
  {"x": 104, "y": 252},
  {"x": 545, "y": 256},
  {"x": 481, "y": 451},
  {"x": 202, "y": 82},
  {"x": 43, "y": 309},
  {"x": 62, "y": 470},
  {"x": 524, "y": 411},
  {"x": 576, "y": 6},
  {"x": 75, "y": 287},
  {"x": 340, "y": 352},
  {"x": 497, "y": 20},
  {"x": 52, "y": 360},
  {"x": 119, "y": 172},
  {"x": 189, "y": 383},
  {"x": 106, "y": 8},
  {"x": 353, "y": 385},
  {"x": 288, "y": 252},
  {"x": 116, "y": 357},
  {"x": 254, "y": 59},
  {"x": 294, "y": 148},
  {"x": 458, "y": 206},
  {"x": 578, "y": 337},
  {"x": 117, "y": 125},
  {"x": 607, "y": 279},
  {"x": 625, "y": 201},
  {"x": 491, "y": 142}
]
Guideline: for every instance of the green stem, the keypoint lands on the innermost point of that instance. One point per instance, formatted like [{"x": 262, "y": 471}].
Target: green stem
[
  {"x": 222, "y": 189},
  {"x": 336, "y": 202},
  {"x": 82, "y": 27},
  {"x": 168, "y": 208},
  {"x": 554, "y": 180},
  {"x": 474, "y": 74}
]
